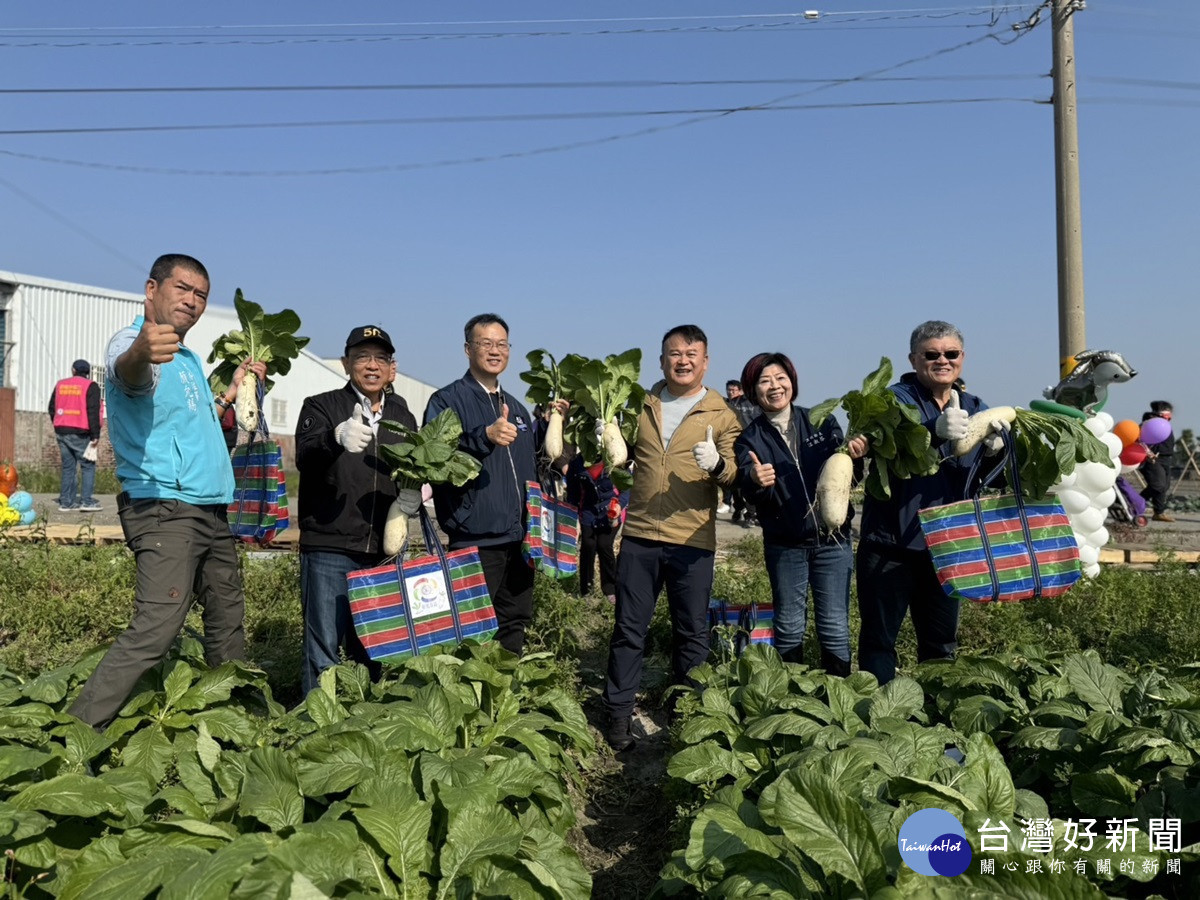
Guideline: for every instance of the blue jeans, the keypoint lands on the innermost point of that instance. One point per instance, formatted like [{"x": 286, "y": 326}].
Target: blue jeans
[
  {"x": 71, "y": 448},
  {"x": 826, "y": 569},
  {"x": 325, "y": 606}
]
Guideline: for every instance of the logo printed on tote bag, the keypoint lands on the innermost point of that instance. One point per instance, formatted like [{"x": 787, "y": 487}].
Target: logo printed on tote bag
[{"x": 428, "y": 594}]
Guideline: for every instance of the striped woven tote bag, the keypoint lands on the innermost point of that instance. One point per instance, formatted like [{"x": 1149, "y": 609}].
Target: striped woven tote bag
[{"x": 1002, "y": 547}]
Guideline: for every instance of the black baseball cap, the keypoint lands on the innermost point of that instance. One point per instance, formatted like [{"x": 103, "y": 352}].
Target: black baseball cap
[
  {"x": 81, "y": 367},
  {"x": 364, "y": 334}
]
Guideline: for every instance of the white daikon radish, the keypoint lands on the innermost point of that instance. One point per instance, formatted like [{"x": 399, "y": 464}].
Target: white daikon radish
[
  {"x": 554, "y": 435},
  {"x": 247, "y": 402},
  {"x": 979, "y": 426},
  {"x": 395, "y": 530},
  {"x": 833, "y": 490},
  {"x": 613, "y": 443}
]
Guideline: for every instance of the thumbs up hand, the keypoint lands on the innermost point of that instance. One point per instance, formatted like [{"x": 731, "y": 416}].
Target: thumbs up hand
[
  {"x": 502, "y": 432},
  {"x": 354, "y": 434},
  {"x": 762, "y": 475},
  {"x": 156, "y": 343},
  {"x": 705, "y": 452},
  {"x": 951, "y": 425}
]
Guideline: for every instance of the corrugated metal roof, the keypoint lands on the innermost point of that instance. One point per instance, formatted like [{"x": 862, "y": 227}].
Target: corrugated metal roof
[{"x": 52, "y": 323}]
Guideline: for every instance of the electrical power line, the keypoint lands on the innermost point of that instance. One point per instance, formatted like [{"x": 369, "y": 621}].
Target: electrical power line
[
  {"x": 773, "y": 106},
  {"x": 67, "y": 223},
  {"x": 555, "y": 148},
  {"x": 790, "y": 22},
  {"x": 939, "y": 11},
  {"x": 502, "y": 85}
]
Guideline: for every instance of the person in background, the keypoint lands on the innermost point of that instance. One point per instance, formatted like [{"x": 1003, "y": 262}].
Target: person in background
[
  {"x": 489, "y": 511},
  {"x": 1156, "y": 467},
  {"x": 779, "y": 456},
  {"x": 600, "y": 506},
  {"x": 177, "y": 484},
  {"x": 75, "y": 413},
  {"x": 743, "y": 407},
  {"x": 894, "y": 569},
  {"x": 682, "y": 458},
  {"x": 346, "y": 490}
]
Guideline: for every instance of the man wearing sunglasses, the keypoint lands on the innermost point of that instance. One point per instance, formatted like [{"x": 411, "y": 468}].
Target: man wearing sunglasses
[{"x": 894, "y": 570}]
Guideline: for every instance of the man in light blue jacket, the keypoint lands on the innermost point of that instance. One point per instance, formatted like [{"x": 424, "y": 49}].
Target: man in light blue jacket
[{"x": 174, "y": 468}]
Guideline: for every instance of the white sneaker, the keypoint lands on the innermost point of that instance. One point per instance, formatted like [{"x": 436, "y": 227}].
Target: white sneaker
[
  {"x": 91, "y": 507},
  {"x": 723, "y": 508}
]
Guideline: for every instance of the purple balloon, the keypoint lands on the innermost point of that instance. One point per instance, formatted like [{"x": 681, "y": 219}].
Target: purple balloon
[{"x": 1155, "y": 431}]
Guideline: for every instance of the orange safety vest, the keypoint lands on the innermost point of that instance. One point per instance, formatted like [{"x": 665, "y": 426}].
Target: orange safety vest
[{"x": 70, "y": 403}]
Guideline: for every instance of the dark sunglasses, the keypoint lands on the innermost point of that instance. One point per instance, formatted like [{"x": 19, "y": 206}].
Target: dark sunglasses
[{"x": 934, "y": 355}]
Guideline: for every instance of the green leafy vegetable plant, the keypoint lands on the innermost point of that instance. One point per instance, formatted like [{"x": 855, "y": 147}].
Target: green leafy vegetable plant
[
  {"x": 899, "y": 444},
  {"x": 264, "y": 337},
  {"x": 430, "y": 454},
  {"x": 605, "y": 392},
  {"x": 447, "y": 778},
  {"x": 1049, "y": 447},
  {"x": 426, "y": 455},
  {"x": 545, "y": 387}
]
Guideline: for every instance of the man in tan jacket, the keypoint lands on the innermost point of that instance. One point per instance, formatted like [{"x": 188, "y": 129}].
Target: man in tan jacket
[{"x": 683, "y": 457}]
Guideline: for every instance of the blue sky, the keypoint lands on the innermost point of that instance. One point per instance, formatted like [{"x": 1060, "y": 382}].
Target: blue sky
[{"x": 826, "y": 233}]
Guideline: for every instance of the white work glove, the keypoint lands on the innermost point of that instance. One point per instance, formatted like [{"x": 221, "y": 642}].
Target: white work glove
[
  {"x": 951, "y": 425},
  {"x": 354, "y": 434},
  {"x": 707, "y": 457},
  {"x": 409, "y": 500},
  {"x": 994, "y": 442},
  {"x": 90, "y": 453}
]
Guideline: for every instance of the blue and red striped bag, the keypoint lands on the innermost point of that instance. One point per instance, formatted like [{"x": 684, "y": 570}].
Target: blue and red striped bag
[
  {"x": 1003, "y": 547},
  {"x": 259, "y": 510},
  {"x": 754, "y": 622},
  {"x": 551, "y": 540},
  {"x": 409, "y": 606}
]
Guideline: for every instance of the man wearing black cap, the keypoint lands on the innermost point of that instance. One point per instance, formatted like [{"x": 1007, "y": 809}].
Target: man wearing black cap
[
  {"x": 345, "y": 492},
  {"x": 75, "y": 412}
]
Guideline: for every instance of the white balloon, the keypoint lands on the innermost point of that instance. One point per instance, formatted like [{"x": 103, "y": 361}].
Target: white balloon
[
  {"x": 1089, "y": 555},
  {"x": 1105, "y": 498},
  {"x": 1094, "y": 477},
  {"x": 1089, "y": 520},
  {"x": 1106, "y": 419},
  {"x": 1074, "y": 501},
  {"x": 1099, "y": 537},
  {"x": 1065, "y": 481},
  {"x": 1095, "y": 426},
  {"x": 1092, "y": 570},
  {"x": 1113, "y": 443}
]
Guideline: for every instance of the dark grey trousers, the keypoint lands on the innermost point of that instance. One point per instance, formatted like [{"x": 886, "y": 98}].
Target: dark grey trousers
[
  {"x": 183, "y": 553},
  {"x": 644, "y": 568}
]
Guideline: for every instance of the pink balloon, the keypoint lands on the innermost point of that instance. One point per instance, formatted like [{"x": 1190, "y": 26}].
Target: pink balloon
[{"x": 1155, "y": 431}]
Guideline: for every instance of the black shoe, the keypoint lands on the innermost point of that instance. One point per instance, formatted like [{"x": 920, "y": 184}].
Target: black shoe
[
  {"x": 619, "y": 733},
  {"x": 749, "y": 522},
  {"x": 794, "y": 655},
  {"x": 737, "y": 517},
  {"x": 834, "y": 665}
]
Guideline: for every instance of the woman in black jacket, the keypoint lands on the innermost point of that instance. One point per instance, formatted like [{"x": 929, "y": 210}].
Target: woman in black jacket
[{"x": 779, "y": 456}]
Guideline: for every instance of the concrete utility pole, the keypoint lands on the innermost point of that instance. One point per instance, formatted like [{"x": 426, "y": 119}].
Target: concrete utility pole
[{"x": 1071, "y": 337}]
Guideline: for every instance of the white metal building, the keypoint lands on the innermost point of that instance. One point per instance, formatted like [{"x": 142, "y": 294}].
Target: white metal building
[{"x": 45, "y": 325}]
